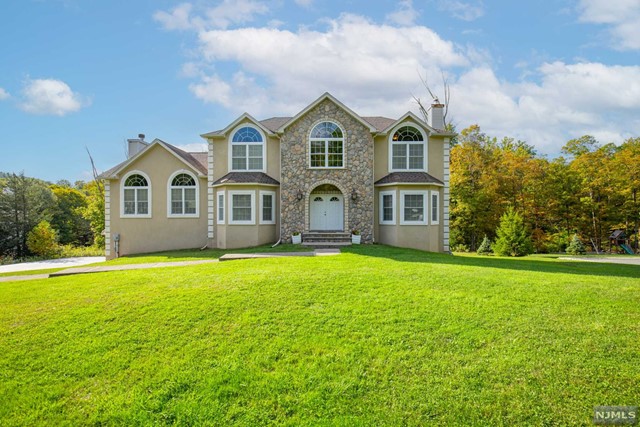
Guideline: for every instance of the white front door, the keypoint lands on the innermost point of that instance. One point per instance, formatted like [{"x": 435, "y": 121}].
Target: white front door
[{"x": 327, "y": 212}]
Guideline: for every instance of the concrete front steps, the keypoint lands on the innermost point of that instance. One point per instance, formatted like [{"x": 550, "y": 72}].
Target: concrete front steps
[{"x": 325, "y": 239}]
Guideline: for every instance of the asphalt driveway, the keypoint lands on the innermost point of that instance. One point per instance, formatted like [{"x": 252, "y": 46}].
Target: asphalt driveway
[{"x": 52, "y": 263}]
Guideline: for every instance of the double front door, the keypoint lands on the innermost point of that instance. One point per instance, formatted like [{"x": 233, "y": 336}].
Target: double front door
[{"x": 327, "y": 212}]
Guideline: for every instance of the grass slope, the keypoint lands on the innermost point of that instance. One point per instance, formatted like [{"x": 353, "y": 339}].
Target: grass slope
[{"x": 375, "y": 336}]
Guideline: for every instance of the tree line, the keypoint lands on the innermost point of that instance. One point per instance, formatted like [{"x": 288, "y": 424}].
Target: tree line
[
  {"x": 73, "y": 212},
  {"x": 588, "y": 191}
]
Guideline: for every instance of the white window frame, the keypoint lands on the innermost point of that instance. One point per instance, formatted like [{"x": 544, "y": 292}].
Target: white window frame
[
  {"x": 425, "y": 148},
  {"x": 326, "y": 146},
  {"x": 425, "y": 205},
  {"x": 393, "y": 205},
  {"x": 149, "y": 195},
  {"x": 171, "y": 187},
  {"x": 252, "y": 193},
  {"x": 435, "y": 221},
  {"x": 219, "y": 220},
  {"x": 263, "y": 144},
  {"x": 273, "y": 206}
]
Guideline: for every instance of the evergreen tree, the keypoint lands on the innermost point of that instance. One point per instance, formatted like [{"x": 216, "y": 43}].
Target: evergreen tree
[
  {"x": 576, "y": 247},
  {"x": 513, "y": 239},
  {"x": 485, "y": 247}
]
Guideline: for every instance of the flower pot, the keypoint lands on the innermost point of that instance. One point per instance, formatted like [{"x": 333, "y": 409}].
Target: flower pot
[
  {"x": 296, "y": 239},
  {"x": 355, "y": 239}
]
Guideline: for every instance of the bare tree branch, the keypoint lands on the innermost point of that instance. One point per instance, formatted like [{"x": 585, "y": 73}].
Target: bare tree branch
[{"x": 95, "y": 173}]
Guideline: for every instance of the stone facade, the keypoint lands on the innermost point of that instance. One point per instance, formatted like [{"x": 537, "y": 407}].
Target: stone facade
[{"x": 356, "y": 175}]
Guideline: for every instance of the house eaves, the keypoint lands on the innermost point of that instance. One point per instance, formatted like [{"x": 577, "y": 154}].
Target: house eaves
[
  {"x": 245, "y": 116},
  {"x": 409, "y": 115}
]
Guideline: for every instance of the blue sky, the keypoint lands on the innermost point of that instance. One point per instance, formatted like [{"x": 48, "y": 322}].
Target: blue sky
[{"x": 78, "y": 73}]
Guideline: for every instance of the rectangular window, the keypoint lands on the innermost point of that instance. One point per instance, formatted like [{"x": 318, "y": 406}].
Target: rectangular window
[
  {"x": 143, "y": 201},
  {"x": 435, "y": 207},
  {"x": 267, "y": 207},
  {"x": 176, "y": 201},
  {"x": 413, "y": 207},
  {"x": 129, "y": 202},
  {"x": 220, "y": 207},
  {"x": 190, "y": 201},
  {"x": 326, "y": 154},
  {"x": 247, "y": 157},
  {"x": 239, "y": 157},
  {"x": 387, "y": 207},
  {"x": 407, "y": 156},
  {"x": 242, "y": 207}
]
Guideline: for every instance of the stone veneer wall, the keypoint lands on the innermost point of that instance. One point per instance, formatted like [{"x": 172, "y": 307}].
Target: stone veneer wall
[{"x": 357, "y": 175}]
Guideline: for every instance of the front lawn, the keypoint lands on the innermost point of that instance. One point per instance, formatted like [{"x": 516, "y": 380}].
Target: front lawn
[{"x": 374, "y": 336}]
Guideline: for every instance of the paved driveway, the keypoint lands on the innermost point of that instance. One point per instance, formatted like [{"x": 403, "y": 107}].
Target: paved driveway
[
  {"x": 52, "y": 263},
  {"x": 632, "y": 260}
]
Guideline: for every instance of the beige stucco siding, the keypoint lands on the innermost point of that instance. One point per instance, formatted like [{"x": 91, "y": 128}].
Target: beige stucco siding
[
  {"x": 231, "y": 236},
  {"x": 157, "y": 233},
  {"x": 427, "y": 237},
  {"x": 220, "y": 149}
]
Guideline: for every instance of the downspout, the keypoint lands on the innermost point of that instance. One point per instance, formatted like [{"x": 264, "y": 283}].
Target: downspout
[{"x": 280, "y": 203}]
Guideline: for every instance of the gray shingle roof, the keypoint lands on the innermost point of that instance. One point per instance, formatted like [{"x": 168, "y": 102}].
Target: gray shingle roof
[
  {"x": 274, "y": 122},
  {"x": 246, "y": 178},
  {"x": 190, "y": 158},
  {"x": 379, "y": 122},
  {"x": 408, "y": 178}
]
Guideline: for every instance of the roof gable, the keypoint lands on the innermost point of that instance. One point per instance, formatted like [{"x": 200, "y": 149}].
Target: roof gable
[
  {"x": 410, "y": 115},
  {"x": 331, "y": 98},
  {"x": 187, "y": 158},
  {"x": 236, "y": 122}
]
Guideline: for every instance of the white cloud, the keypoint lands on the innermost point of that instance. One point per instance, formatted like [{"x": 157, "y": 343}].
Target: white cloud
[
  {"x": 4, "y": 94},
  {"x": 225, "y": 14},
  {"x": 406, "y": 15},
  {"x": 569, "y": 101},
  {"x": 466, "y": 11},
  {"x": 353, "y": 58},
  {"x": 50, "y": 97},
  {"x": 622, "y": 16}
]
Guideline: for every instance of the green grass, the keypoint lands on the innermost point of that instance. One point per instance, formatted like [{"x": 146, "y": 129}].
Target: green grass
[
  {"x": 375, "y": 336},
  {"x": 196, "y": 254}
]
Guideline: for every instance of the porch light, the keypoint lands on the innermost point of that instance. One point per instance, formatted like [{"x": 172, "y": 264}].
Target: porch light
[
  {"x": 299, "y": 196},
  {"x": 354, "y": 195}
]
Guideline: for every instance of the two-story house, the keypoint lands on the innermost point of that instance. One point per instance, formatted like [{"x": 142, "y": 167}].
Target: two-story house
[{"x": 325, "y": 170}]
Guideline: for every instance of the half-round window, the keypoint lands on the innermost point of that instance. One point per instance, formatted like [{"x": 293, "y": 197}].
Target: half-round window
[
  {"x": 326, "y": 146},
  {"x": 247, "y": 150},
  {"x": 135, "y": 195},
  {"x": 184, "y": 197},
  {"x": 408, "y": 149}
]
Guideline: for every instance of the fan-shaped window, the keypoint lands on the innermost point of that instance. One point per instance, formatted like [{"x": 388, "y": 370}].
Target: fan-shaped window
[
  {"x": 247, "y": 150},
  {"x": 326, "y": 146},
  {"x": 135, "y": 196},
  {"x": 408, "y": 149},
  {"x": 183, "y": 198},
  {"x": 334, "y": 199},
  {"x": 318, "y": 199}
]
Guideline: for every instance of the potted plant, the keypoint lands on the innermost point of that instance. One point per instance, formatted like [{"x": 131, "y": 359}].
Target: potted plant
[
  {"x": 296, "y": 238},
  {"x": 355, "y": 237}
]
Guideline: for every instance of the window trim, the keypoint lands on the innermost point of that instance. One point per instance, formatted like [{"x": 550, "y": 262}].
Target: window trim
[
  {"x": 224, "y": 211},
  {"x": 425, "y": 145},
  {"x": 149, "y": 195},
  {"x": 231, "y": 144},
  {"x": 437, "y": 220},
  {"x": 326, "y": 146},
  {"x": 381, "y": 195},
  {"x": 273, "y": 206},
  {"x": 425, "y": 205},
  {"x": 252, "y": 193},
  {"x": 171, "y": 187}
]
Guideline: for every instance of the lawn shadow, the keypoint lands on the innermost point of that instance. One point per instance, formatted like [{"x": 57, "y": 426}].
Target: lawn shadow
[{"x": 543, "y": 265}]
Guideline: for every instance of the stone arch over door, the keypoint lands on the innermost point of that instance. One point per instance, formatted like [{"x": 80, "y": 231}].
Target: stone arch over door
[{"x": 308, "y": 199}]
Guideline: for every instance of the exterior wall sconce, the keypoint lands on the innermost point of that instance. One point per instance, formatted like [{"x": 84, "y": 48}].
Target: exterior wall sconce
[
  {"x": 299, "y": 196},
  {"x": 354, "y": 195}
]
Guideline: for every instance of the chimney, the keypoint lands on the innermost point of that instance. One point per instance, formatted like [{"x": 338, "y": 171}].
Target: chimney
[
  {"x": 136, "y": 145},
  {"x": 437, "y": 115}
]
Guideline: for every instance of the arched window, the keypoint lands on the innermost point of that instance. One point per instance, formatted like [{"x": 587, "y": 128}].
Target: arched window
[
  {"x": 326, "y": 146},
  {"x": 247, "y": 150},
  {"x": 183, "y": 195},
  {"x": 136, "y": 196},
  {"x": 408, "y": 149}
]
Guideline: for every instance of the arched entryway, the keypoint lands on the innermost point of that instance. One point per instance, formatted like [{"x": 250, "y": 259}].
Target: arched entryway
[{"x": 326, "y": 208}]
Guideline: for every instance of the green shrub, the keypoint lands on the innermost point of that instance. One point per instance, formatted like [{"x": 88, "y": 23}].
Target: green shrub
[
  {"x": 485, "y": 247},
  {"x": 460, "y": 247},
  {"x": 576, "y": 247},
  {"x": 42, "y": 240},
  {"x": 512, "y": 239},
  {"x": 76, "y": 251}
]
